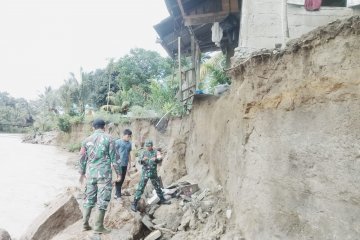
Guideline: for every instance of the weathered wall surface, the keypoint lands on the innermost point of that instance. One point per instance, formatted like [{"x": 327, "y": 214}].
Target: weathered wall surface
[
  {"x": 261, "y": 25},
  {"x": 301, "y": 21},
  {"x": 262, "y": 22},
  {"x": 284, "y": 142}
]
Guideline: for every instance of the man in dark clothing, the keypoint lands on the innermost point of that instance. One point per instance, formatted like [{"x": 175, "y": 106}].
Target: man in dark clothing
[
  {"x": 149, "y": 159},
  {"x": 123, "y": 158}
]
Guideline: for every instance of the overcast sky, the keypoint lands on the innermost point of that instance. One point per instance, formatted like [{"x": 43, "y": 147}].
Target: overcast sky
[{"x": 41, "y": 41}]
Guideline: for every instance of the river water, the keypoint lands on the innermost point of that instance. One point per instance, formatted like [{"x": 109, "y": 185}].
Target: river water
[{"x": 31, "y": 175}]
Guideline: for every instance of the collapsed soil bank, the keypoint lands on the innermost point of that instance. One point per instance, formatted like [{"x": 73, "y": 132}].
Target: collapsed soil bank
[{"x": 284, "y": 142}]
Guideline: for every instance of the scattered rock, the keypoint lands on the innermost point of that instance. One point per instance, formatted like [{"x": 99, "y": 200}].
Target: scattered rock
[
  {"x": 228, "y": 213},
  {"x": 169, "y": 214},
  {"x": 154, "y": 235},
  {"x": 147, "y": 222},
  {"x": 60, "y": 214},
  {"x": 4, "y": 235},
  {"x": 189, "y": 189}
]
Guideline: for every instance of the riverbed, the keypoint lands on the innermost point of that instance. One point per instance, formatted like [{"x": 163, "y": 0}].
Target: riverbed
[{"x": 31, "y": 176}]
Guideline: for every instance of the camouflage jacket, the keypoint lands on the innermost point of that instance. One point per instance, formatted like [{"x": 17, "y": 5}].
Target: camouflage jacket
[
  {"x": 149, "y": 160},
  {"x": 97, "y": 154}
]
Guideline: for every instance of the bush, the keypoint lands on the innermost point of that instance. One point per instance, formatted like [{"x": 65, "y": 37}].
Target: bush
[
  {"x": 74, "y": 147},
  {"x": 75, "y": 120},
  {"x": 64, "y": 123}
]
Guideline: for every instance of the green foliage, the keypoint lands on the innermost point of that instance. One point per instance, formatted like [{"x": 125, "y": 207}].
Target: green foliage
[
  {"x": 162, "y": 96},
  {"x": 45, "y": 121},
  {"x": 95, "y": 86},
  {"x": 15, "y": 113},
  {"x": 138, "y": 112},
  {"x": 135, "y": 96},
  {"x": 76, "y": 120},
  {"x": 139, "y": 66},
  {"x": 141, "y": 79},
  {"x": 212, "y": 72},
  {"x": 74, "y": 147},
  {"x": 64, "y": 123},
  {"x": 48, "y": 101},
  {"x": 69, "y": 94}
]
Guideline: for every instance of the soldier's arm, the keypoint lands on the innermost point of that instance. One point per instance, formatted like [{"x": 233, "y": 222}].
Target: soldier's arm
[
  {"x": 117, "y": 155},
  {"x": 82, "y": 163},
  {"x": 82, "y": 160}
]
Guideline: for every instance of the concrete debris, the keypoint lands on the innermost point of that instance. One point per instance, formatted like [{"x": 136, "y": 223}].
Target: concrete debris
[
  {"x": 153, "y": 200},
  {"x": 147, "y": 222},
  {"x": 186, "y": 198},
  {"x": 151, "y": 209},
  {"x": 168, "y": 191},
  {"x": 154, "y": 235},
  {"x": 165, "y": 230},
  {"x": 189, "y": 189},
  {"x": 202, "y": 195}
]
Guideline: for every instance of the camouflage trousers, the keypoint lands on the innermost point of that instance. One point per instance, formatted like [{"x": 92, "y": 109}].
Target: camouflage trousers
[
  {"x": 98, "y": 191},
  {"x": 143, "y": 181}
]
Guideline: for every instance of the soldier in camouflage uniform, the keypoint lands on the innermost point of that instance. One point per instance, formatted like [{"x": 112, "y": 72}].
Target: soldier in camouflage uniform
[
  {"x": 149, "y": 159},
  {"x": 97, "y": 155}
]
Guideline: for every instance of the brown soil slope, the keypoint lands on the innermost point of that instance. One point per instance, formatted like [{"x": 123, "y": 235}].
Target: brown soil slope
[{"x": 284, "y": 142}]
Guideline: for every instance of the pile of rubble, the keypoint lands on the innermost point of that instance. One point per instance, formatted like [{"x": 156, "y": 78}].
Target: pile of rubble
[{"x": 192, "y": 213}]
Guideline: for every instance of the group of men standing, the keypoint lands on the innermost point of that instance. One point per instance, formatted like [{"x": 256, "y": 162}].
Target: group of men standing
[{"x": 100, "y": 154}]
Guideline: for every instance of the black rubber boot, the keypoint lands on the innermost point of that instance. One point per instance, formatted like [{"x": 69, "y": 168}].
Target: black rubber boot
[
  {"x": 134, "y": 205},
  {"x": 99, "y": 225},
  {"x": 86, "y": 217}
]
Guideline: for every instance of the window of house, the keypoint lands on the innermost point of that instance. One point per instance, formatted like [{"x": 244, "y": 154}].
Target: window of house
[
  {"x": 330, "y": 3},
  {"x": 334, "y": 3}
]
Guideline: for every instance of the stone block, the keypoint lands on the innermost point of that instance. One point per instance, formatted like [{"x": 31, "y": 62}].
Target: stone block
[
  {"x": 189, "y": 189},
  {"x": 153, "y": 200},
  {"x": 4, "y": 235},
  {"x": 58, "y": 215},
  {"x": 147, "y": 222}
]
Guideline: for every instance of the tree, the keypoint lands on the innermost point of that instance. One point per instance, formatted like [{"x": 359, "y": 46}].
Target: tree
[
  {"x": 49, "y": 100},
  {"x": 96, "y": 87},
  {"x": 135, "y": 71},
  {"x": 14, "y": 113},
  {"x": 69, "y": 94}
]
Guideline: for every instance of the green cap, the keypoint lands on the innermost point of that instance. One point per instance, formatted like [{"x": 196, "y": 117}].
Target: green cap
[{"x": 148, "y": 143}]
